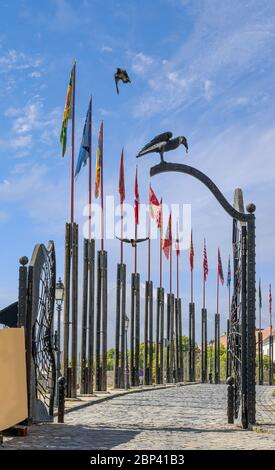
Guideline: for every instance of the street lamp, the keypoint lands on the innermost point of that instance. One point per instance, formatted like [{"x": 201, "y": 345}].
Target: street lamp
[
  {"x": 127, "y": 382},
  {"x": 59, "y": 298}
]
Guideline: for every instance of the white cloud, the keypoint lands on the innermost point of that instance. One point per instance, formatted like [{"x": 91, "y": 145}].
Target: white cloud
[
  {"x": 208, "y": 89},
  {"x": 28, "y": 122},
  {"x": 228, "y": 40},
  {"x": 106, "y": 49},
  {"x": 141, "y": 62},
  {"x": 16, "y": 60},
  {"x": 35, "y": 75}
]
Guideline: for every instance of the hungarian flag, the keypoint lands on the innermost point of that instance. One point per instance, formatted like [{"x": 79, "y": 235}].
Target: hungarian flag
[
  {"x": 205, "y": 262},
  {"x": 167, "y": 241},
  {"x": 98, "y": 167},
  {"x": 191, "y": 254},
  {"x": 68, "y": 111},
  {"x": 84, "y": 151},
  {"x": 177, "y": 244},
  {"x": 136, "y": 202},
  {"x": 121, "y": 184},
  {"x": 220, "y": 271},
  {"x": 260, "y": 294},
  {"x": 228, "y": 281},
  {"x": 155, "y": 206}
]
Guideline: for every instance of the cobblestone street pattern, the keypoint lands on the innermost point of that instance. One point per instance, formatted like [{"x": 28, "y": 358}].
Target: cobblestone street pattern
[{"x": 188, "y": 417}]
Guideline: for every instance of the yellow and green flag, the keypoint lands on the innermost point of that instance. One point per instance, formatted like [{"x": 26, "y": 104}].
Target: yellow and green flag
[
  {"x": 68, "y": 111},
  {"x": 99, "y": 157}
]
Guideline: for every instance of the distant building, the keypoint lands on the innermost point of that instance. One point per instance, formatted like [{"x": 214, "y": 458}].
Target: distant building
[{"x": 265, "y": 332}]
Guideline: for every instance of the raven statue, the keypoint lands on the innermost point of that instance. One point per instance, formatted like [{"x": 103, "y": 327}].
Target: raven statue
[
  {"x": 163, "y": 143},
  {"x": 133, "y": 241}
]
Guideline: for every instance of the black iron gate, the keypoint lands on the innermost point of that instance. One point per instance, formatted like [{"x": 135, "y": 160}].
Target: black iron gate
[
  {"x": 242, "y": 323},
  {"x": 35, "y": 313}
]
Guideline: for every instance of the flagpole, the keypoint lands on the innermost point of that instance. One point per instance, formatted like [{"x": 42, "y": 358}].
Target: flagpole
[
  {"x": 171, "y": 246},
  {"x": 177, "y": 254},
  {"x": 260, "y": 312},
  {"x": 218, "y": 292},
  {"x": 177, "y": 276},
  {"x": 135, "y": 259},
  {"x": 192, "y": 296},
  {"x": 203, "y": 301},
  {"x": 136, "y": 202},
  {"x": 192, "y": 267},
  {"x": 270, "y": 310},
  {"x": 121, "y": 232},
  {"x": 149, "y": 242},
  {"x": 229, "y": 298},
  {"x": 90, "y": 172},
  {"x": 102, "y": 197},
  {"x": 72, "y": 158},
  {"x": 160, "y": 249}
]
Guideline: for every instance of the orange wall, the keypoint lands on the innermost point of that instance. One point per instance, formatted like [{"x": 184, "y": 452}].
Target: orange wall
[{"x": 13, "y": 386}]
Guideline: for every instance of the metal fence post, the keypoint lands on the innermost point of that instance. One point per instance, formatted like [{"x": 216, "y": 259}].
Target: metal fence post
[{"x": 61, "y": 399}]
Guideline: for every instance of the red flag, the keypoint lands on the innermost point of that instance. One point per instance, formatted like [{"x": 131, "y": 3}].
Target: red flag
[
  {"x": 191, "y": 255},
  {"x": 121, "y": 187},
  {"x": 220, "y": 271},
  {"x": 99, "y": 156},
  {"x": 167, "y": 242},
  {"x": 159, "y": 217},
  {"x": 136, "y": 202},
  {"x": 155, "y": 206},
  {"x": 177, "y": 244},
  {"x": 205, "y": 262}
]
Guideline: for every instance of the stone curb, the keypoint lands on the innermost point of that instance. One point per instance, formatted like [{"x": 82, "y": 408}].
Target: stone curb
[{"x": 122, "y": 393}]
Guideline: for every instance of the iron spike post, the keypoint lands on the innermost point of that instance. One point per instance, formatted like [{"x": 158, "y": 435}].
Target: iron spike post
[
  {"x": 117, "y": 329},
  {"x": 74, "y": 307},
  {"x": 244, "y": 331},
  {"x": 101, "y": 322},
  {"x": 150, "y": 333},
  {"x": 169, "y": 335},
  {"x": 203, "y": 345},
  {"x": 180, "y": 341},
  {"x": 123, "y": 326},
  {"x": 160, "y": 336},
  {"x": 251, "y": 344},
  {"x": 67, "y": 291},
  {"x": 260, "y": 340},
  {"x": 146, "y": 327},
  {"x": 91, "y": 316},
  {"x": 192, "y": 342},
  {"x": 83, "y": 383}
]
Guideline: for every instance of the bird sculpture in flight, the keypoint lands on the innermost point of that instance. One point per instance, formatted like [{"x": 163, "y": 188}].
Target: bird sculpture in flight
[
  {"x": 121, "y": 75},
  {"x": 163, "y": 143},
  {"x": 133, "y": 241}
]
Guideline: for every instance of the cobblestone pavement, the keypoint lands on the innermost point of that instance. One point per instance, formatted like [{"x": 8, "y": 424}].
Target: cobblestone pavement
[{"x": 188, "y": 417}]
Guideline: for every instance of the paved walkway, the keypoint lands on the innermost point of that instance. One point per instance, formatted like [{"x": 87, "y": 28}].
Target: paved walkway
[{"x": 188, "y": 417}]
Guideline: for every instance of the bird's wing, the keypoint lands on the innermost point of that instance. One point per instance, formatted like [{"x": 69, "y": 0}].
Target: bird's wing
[
  {"x": 125, "y": 240},
  {"x": 139, "y": 240},
  {"x": 156, "y": 141},
  {"x": 126, "y": 78},
  {"x": 116, "y": 80}
]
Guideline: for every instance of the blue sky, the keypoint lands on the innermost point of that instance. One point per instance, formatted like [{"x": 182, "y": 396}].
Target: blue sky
[{"x": 201, "y": 68}]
